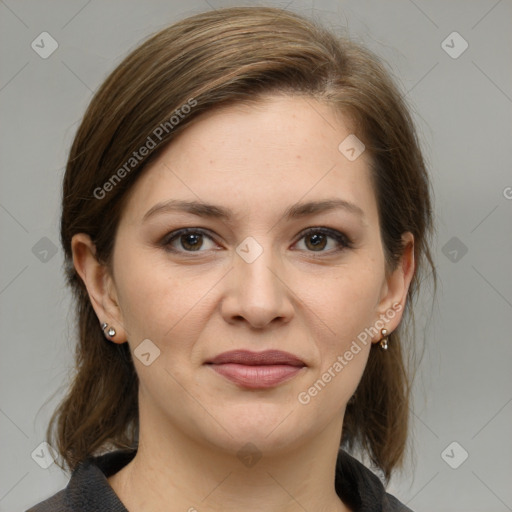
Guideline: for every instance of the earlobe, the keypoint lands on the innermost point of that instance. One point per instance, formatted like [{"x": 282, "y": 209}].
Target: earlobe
[{"x": 98, "y": 283}]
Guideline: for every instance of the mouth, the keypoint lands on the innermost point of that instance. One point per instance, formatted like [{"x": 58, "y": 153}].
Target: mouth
[{"x": 257, "y": 370}]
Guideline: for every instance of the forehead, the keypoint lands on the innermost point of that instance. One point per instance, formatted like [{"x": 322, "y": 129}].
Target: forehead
[{"x": 257, "y": 158}]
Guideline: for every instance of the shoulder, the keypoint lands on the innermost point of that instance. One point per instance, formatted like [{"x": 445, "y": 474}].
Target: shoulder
[
  {"x": 88, "y": 488},
  {"x": 361, "y": 489}
]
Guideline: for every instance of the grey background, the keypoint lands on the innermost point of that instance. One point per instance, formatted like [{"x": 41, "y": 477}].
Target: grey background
[{"x": 462, "y": 106}]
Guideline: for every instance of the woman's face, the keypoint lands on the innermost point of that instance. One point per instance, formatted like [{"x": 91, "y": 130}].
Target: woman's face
[{"x": 258, "y": 270}]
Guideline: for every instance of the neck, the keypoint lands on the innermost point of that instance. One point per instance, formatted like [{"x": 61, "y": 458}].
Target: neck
[{"x": 203, "y": 478}]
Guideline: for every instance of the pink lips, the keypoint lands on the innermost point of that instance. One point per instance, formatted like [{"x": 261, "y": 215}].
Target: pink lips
[{"x": 257, "y": 370}]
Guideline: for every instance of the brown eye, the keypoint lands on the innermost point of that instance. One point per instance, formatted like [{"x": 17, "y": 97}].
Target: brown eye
[
  {"x": 187, "y": 240},
  {"x": 317, "y": 240},
  {"x": 191, "y": 241}
]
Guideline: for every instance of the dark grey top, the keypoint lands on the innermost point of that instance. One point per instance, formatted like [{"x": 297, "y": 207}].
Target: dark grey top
[{"x": 89, "y": 491}]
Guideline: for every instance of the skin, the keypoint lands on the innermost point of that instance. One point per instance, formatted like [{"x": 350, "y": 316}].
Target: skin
[{"x": 309, "y": 300}]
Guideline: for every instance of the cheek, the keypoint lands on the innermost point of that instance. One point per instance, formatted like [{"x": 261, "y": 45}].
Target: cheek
[
  {"x": 346, "y": 308},
  {"x": 347, "y": 302},
  {"x": 164, "y": 302}
]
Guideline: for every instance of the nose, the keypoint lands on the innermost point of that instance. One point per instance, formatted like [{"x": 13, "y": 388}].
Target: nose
[{"x": 257, "y": 292}]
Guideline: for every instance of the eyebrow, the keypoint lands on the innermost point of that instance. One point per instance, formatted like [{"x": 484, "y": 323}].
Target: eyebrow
[{"x": 295, "y": 211}]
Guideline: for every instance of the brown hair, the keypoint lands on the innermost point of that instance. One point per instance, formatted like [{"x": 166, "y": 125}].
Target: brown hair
[{"x": 207, "y": 61}]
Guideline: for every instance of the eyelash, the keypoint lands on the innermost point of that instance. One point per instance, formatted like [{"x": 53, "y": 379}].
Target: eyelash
[{"x": 342, "y": 240}]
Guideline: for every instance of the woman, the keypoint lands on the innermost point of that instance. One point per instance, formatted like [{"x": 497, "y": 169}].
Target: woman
[{"x": 246, "y": 212}]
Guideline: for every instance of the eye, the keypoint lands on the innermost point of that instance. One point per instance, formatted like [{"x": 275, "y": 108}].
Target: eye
[
  {"x": 316, "y": 240},
  {"x": 191, "y": 240}
]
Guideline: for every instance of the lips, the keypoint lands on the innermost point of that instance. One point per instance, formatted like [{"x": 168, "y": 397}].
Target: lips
[
  {"x": 257, "y": 370},
  {"x": 269, "y": 357}
]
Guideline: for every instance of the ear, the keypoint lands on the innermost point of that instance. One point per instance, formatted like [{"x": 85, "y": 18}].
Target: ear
[
  {"x": 394, "y": 291},
  {"x": 100, "y": 286}
]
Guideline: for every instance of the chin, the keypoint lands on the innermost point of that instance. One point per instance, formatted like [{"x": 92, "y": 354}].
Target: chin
[{"x": 268, "y": 429}]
